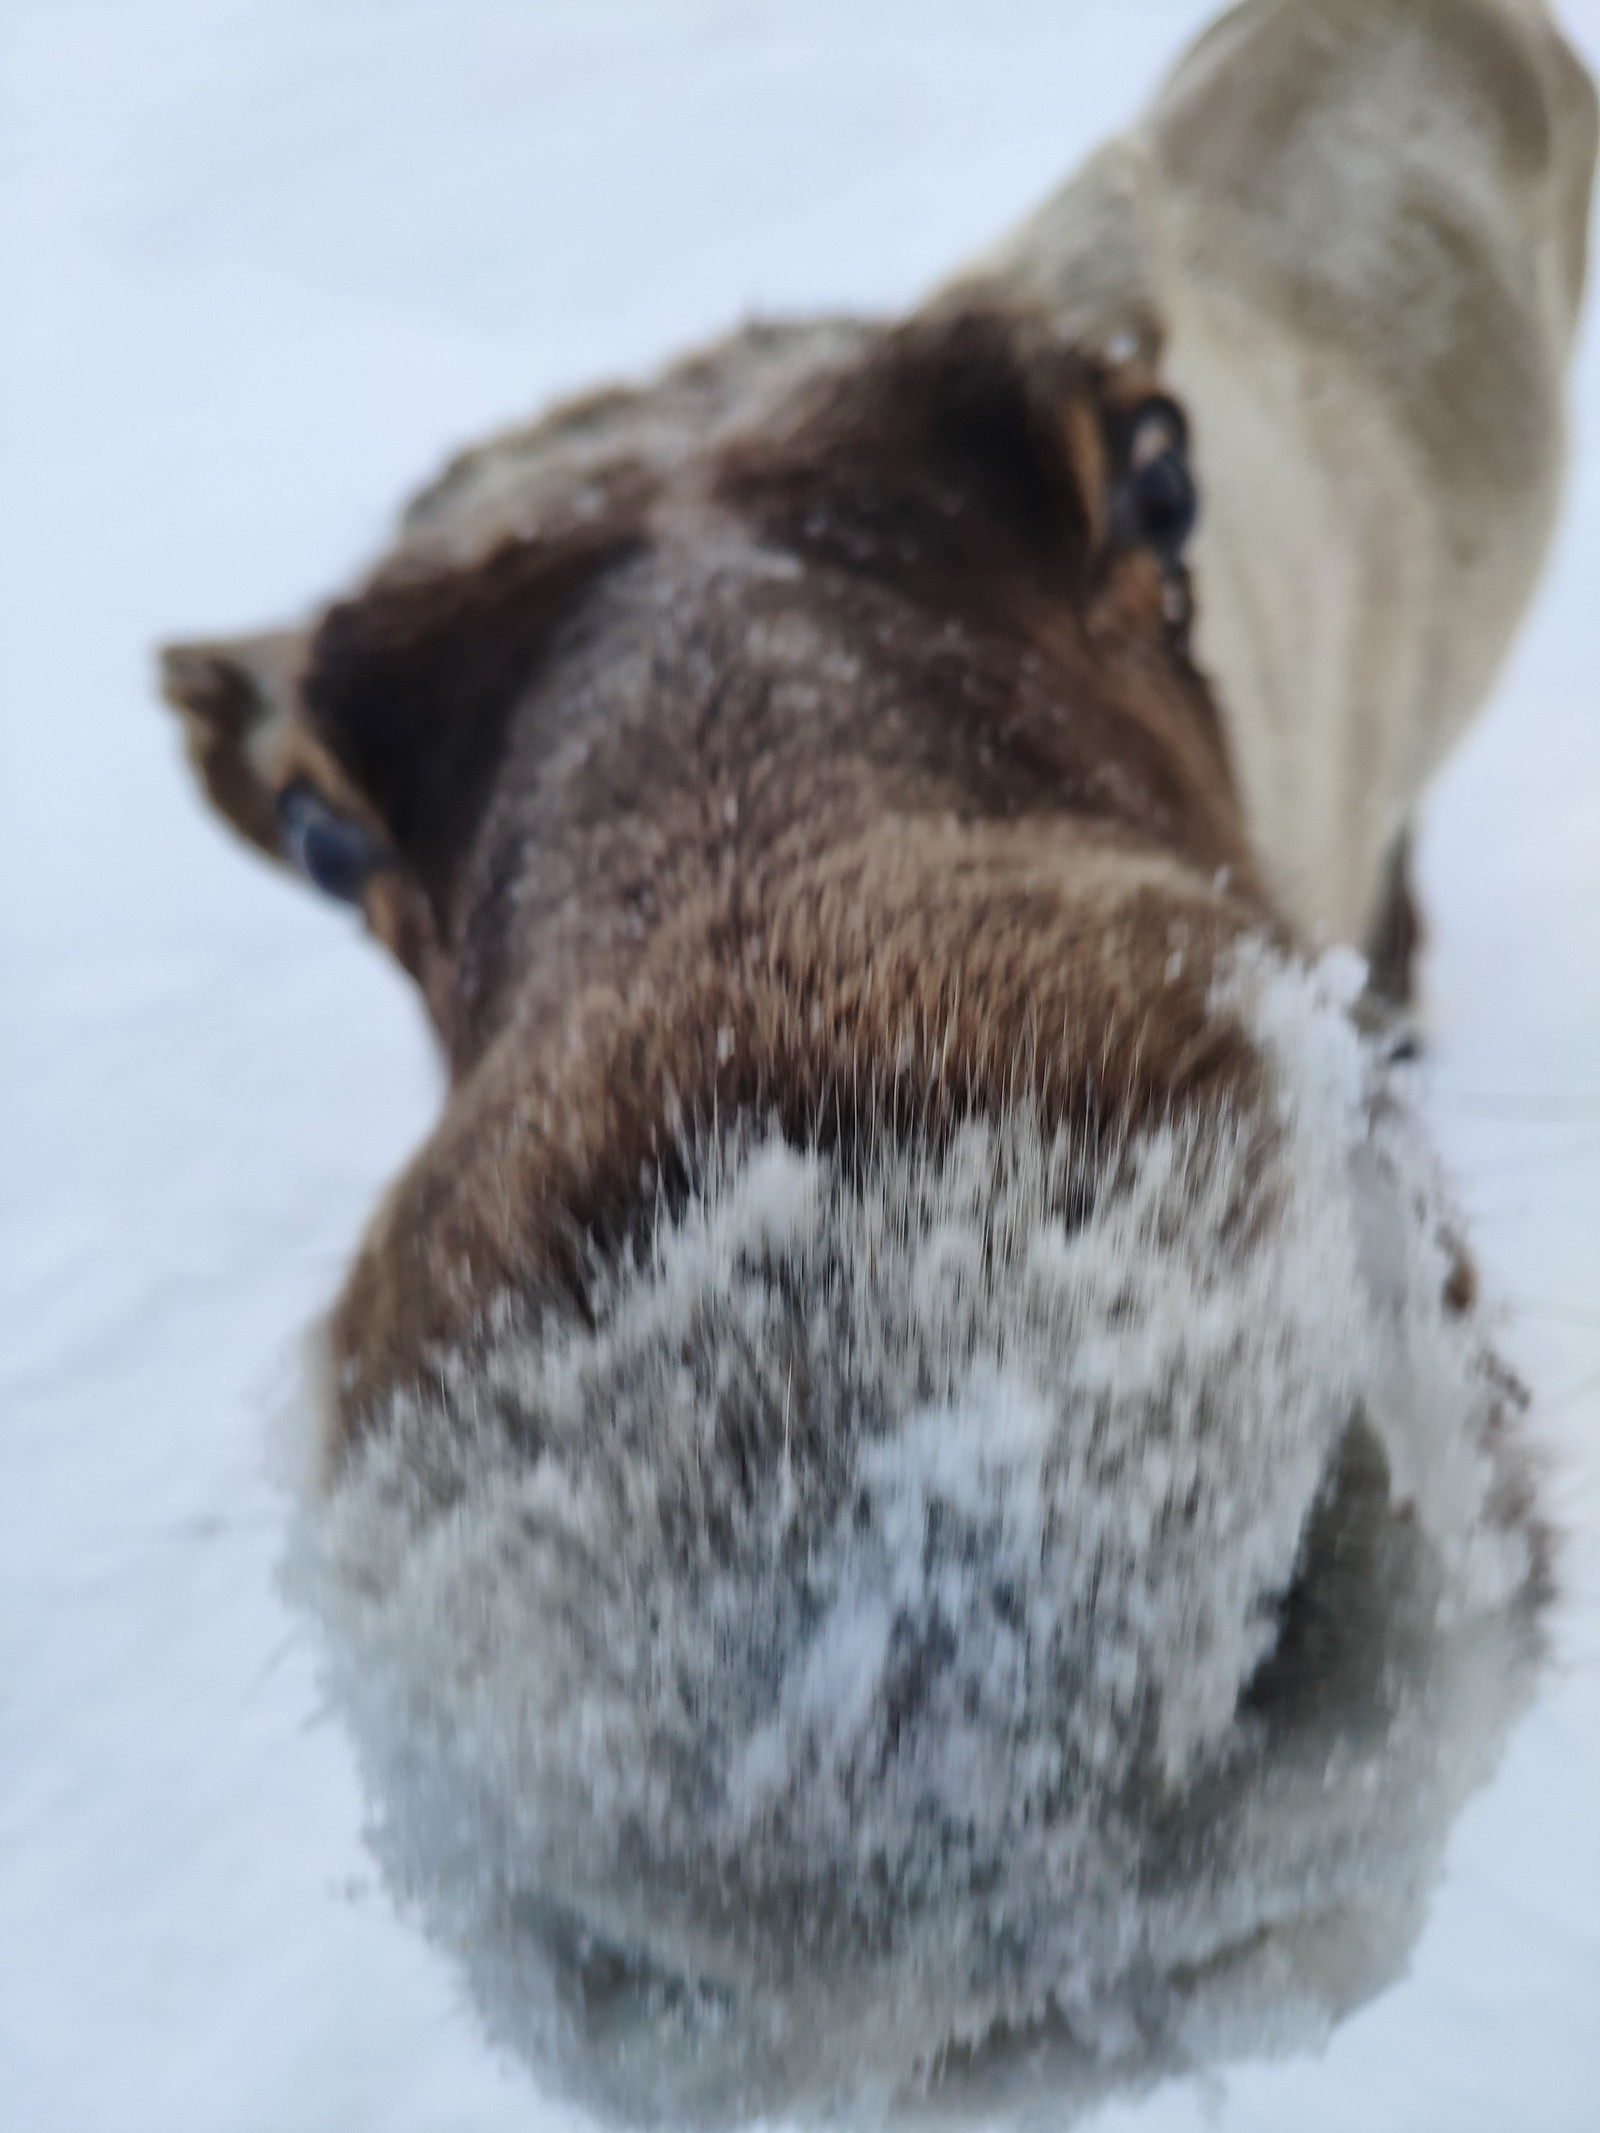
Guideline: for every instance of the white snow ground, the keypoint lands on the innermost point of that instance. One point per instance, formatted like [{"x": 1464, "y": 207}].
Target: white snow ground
[{"x": 261, "y": 265}]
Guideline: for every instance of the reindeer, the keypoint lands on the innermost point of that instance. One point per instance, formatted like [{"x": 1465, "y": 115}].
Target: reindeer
[{"x": 915, "y": 1503}]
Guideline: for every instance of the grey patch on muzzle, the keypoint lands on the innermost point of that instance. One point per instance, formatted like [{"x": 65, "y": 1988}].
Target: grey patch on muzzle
[{"x": 972, "y": 1634}]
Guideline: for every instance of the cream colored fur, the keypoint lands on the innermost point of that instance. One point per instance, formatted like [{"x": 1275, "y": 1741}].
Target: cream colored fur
[{"x": 1351, "y": 235}]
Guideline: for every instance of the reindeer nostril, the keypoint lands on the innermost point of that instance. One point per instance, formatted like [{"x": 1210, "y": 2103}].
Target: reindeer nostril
[
  {"x": 608, "y": 1988},
  {"x": 1336, "y": 1617}
]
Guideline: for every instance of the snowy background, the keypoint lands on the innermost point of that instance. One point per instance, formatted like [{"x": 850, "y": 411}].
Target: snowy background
[{"x": 260, "y": 267}]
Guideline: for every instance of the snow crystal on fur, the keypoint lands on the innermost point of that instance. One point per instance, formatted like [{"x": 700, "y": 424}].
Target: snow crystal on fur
[{"x": 972, "y": 1632}]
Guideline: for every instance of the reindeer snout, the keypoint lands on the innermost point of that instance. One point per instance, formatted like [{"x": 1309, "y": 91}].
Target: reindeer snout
[{"x": 973, "y": 1609}]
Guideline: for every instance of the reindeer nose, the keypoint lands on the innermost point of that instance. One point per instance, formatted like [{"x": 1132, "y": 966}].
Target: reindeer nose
[{"x": 961, "y": 1601}]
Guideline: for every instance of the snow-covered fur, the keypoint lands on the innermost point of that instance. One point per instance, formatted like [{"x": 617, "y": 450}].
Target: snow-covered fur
[{"x": 976, "y": 1626}]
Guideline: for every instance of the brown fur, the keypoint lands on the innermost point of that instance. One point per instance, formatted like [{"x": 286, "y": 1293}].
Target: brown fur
[{"x": 842, "y": 772}]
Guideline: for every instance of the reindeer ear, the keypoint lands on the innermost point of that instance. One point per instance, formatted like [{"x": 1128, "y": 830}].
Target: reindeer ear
[
  {"x": 272, "y": 778},
  {"x": 236, "y": 699},
  {"x": 265, "y": 768},
  {"x": 362, "y": 753}
]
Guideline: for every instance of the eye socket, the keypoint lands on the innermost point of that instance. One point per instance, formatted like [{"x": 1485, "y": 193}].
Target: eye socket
[
  {"x": 335, "y": 855},
  {"x": 1156, "y": 504}
]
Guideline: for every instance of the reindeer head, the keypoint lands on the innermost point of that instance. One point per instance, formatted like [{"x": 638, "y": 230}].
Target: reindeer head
[{"x": 915, "y": 1502}]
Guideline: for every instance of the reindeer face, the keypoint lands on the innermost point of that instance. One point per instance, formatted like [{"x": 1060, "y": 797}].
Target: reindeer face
[
  {"x": 958, "y": 478},
  {"x": 914, "y": 1498},
  {"x": 645, "y": 771}
]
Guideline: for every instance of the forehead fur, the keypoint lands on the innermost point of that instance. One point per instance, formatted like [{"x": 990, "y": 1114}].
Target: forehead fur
[
  {"x": 956, "y": 466},
  {"x": 943, "y": 461},
  {"x": 555, "y": 472}
]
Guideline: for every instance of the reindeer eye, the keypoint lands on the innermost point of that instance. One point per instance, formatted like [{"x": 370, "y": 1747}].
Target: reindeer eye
[
  {"x": 1165, "y": 499},
  {"x": 335, "y": 855},
  {"x": 1157, "y": 505}
]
